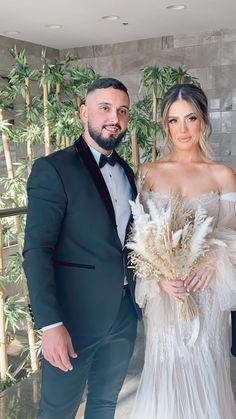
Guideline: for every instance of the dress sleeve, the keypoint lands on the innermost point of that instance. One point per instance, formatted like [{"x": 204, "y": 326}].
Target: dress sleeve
[
  {"x": 227, "y": 214},
  {"x": 225, "y": 281},
  {"x": 145, "y": 290}
]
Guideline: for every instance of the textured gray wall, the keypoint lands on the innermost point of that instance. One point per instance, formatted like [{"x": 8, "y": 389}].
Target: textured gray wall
[
  {"x": 33, "y": 53},
  {"x": 209, "y": 56}
]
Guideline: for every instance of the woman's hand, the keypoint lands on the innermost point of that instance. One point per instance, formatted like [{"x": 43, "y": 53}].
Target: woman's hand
[
  {"x": 175, "y": 289},
  {"x": 200, "y": 280}
]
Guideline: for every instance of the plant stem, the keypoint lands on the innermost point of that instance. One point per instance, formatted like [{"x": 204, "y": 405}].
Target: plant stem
[
  {"x": 154, "y": 118},
  {"x": 3, "y": 336},
  {"x": 7, "y": 149},
  {"x": 58, "y": 98},
  {"x": 135, "y": 150},
  {"x": 46, "y": 125},
  {"x": 27, "y": 103}
]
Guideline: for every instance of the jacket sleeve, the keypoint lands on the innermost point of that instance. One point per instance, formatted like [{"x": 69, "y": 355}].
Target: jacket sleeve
[
  {"x": 47, "y": 203},
  {"x": 233, "y": 321}
]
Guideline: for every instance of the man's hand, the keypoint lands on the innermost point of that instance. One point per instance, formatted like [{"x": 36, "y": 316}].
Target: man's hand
[
  {"x": 57, "y": 347},
  {"x": 174, "y": 288}
]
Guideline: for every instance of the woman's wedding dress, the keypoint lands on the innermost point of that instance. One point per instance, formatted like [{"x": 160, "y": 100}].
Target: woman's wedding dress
[{"x": 186, "y": 373}]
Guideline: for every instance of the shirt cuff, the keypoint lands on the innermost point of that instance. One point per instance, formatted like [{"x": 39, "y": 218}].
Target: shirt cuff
[{"x": 51, "y": 326}]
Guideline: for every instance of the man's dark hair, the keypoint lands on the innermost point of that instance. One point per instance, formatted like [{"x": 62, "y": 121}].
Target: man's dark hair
[{"x": 104, "y": 83}]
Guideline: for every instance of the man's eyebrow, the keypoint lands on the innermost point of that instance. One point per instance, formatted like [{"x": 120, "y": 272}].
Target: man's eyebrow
[{"x": 109, "y": 104}]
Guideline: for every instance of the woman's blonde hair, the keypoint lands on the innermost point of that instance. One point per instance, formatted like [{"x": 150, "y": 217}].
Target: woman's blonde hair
[{"x": 195, "y": 96}]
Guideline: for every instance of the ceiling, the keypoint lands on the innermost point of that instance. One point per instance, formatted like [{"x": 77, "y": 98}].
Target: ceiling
[{"x": 82, "y": 24}]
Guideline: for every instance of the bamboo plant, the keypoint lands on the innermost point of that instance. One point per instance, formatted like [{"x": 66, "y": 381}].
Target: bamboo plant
[
  {"x": 20, "y": 78},
  {"x": 10, "y": 184},
  {"x": 80, "y": 79},
  {"x": 46, "y": 79},
  {"x": 3, "y": 336},
  {"x": 59, "y": 86}
]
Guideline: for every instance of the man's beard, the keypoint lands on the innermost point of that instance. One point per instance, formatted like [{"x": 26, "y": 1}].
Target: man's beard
[{"x": 108, "y": 143}]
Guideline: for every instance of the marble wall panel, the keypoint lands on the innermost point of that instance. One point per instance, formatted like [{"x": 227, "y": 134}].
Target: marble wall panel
[
  {"x": 33, "y": 52},
  {"x": 234, "y": 99},
  {"x": 215, "y": 118},
  {"x": 229, "y": 35},
  {"x": 227, "y": 53},
  {"x": 220, "y": 99},
  {"x": 197, "y": 39},
  {"x": 204, "y": 75},
  {"x": 209, "y": 56},
  {"x": 226, "y": 120},
  {"x": 224, "y": 76},
  {"x": 202, "y": 55}
]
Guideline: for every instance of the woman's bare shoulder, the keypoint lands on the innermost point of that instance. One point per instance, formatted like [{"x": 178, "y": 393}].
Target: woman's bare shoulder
[
  {"x": 225, "y": 177},
  {"x": 222, "y": 169},
  {"x": 146, "y": 173},
  {"x": 150, "y": 166}
]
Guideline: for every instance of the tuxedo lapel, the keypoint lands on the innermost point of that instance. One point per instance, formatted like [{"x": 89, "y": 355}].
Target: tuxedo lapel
[{"x": 90, "y": 163}]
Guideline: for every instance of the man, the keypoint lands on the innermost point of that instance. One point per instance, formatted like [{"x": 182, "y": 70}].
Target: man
[{"x": 81, "y": 291}]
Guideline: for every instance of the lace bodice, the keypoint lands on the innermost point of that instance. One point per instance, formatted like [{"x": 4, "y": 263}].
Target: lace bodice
[{"x": 221, "y": 207}]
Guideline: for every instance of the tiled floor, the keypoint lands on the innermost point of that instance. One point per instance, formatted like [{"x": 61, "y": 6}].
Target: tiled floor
[{"x": 21, "y": 400}]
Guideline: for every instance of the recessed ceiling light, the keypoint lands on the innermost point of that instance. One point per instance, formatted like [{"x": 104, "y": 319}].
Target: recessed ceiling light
[
  {"x": 53, "y": 26},
  {"x": 110, "y": 17},
  {"x": 176, "y": 7},
  {"x": 12, "y": 32}
]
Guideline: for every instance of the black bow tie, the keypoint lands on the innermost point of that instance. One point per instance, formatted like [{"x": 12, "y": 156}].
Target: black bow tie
[{"x": 110, "y": 159}]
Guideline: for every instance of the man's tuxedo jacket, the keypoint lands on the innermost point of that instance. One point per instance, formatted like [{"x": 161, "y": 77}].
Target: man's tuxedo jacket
[
  {"x": 74, "y": 261},
  {"x": 233, "y": 317}
]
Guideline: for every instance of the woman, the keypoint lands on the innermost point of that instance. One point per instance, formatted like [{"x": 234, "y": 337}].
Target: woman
[{"x": 186, "y": 377}]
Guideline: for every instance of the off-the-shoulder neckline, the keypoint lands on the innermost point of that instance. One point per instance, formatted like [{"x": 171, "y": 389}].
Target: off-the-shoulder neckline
[{"x": 229, "y": 196}]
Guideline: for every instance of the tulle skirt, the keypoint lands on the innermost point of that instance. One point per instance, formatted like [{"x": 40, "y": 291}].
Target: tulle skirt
[{"x": 186, "y": 372}]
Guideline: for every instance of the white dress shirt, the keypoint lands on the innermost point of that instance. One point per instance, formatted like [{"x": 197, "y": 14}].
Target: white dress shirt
[{"x": 120, "y": 192}]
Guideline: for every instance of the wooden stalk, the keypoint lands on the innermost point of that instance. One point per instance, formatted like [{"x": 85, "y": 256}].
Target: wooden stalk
[
  {"x": 58, "y": 91},
  {"x": 7, "y": 150},
  {"x": 78, "y": 102},
  {"x": 35, "y": 391},
  {"x": 135, "y": 150},
  {"x": 1, "y": 248},
  {"x": 46, "y": 125},
  {"x": 30, "y": 327},
  {"x": 67, "y": 142},
  {"x": 154, "y": 118},
  {"x": 32, "y": 343},
  {"x": 3, "y": 336},
  {"x": 27, "y": 103},
  {"x": 58, "y": 98},
  {"x": 63, "y": 142}
]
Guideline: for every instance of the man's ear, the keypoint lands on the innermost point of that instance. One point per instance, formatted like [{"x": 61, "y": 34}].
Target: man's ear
[{"x": 84, "y": 113}]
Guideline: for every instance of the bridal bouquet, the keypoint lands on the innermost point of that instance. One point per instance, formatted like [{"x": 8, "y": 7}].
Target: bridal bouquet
[{"x": 171, "y": 241}]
